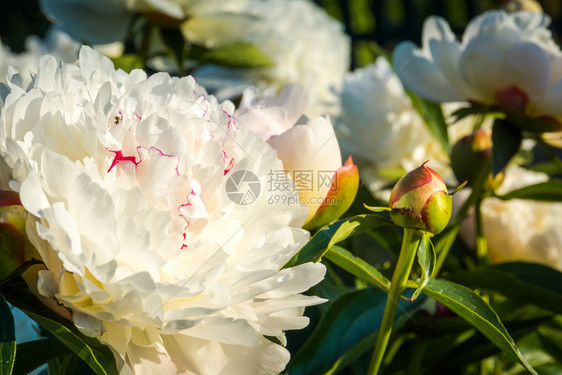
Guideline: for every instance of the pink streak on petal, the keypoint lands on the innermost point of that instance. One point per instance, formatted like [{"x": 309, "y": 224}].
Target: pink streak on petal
[
  {"x": 187, "y": 203},
  {"x": 119, "y": 158}
]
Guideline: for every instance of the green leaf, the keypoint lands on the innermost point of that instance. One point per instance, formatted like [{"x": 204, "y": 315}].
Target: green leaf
[
  {"x": 350, "y": 319},
  {"x": 236, "y": 55},
  {"x": 173, "y": 39},
  {"x": 549, "y": 191},
  {"x": 474, "y": 109},
  {"x": 529, "y": 282},
  {"x": 7, "y": 338},
  {"x": 426, "y": 260},
  {"x": 96, "y": 355},
  {"x": 357, "y": 267},
  {"x": 128, "y": 62},
  {"x": 506, "y": 140},
  {"x": 469, "y": 306},
  {"x": 432, "y": 115},
  {"x": 32, "y": 354},
  {"x": 333, "y": 233}
]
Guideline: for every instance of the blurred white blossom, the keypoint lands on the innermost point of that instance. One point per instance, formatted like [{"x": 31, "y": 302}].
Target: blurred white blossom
[
  {"x": 504, "y": 58},
  {"x": 381, "y": 129},
  {"x": 23, "y": 64},
  {"x": 516, "y": 229},
  {"x": 125, "y": 178},
  {"x": 305, "y": 45}
]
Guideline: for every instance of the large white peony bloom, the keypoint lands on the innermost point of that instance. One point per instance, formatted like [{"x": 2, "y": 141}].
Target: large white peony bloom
[
  {"x": 381, "y": 129},
  {"x": 505, "y": 59},
  {"x": 305, "y": 45},
  {"x": 520, "y": 230},
  {"x": 147, "y": 212}
]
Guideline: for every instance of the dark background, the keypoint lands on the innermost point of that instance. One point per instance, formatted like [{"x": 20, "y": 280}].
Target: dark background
[{"x": 370, "y": 23}]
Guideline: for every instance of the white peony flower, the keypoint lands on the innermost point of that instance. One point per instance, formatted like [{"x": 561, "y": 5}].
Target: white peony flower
[
  {"x": 24, "y": 64},
  {"x": 381, "y": 129},
  {"x": 308, "y": 148},
  {"x": 520, "y": 230},
  {"x": 148, "y": 215},
  {"x": 305, "y": 45},
  {"x": 505, "y": 59},
  {"x": 207, "y": 22}
]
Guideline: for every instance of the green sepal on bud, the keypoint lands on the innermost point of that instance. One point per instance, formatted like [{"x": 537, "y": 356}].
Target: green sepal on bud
[
  {"x": 419, "y": 200},
  {"x": 340, "y": 196}
]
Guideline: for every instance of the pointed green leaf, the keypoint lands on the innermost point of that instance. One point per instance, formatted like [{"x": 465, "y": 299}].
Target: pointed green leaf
[
  {"x": 33, "y": 354},
  {"x": 533, "y": 283},
  {"x": 432, "y": 115},
  {"x": 357, "y": 267},
  {"x": 236, "y": 55},
  {"x": 7, "y": 338},
  {"x": 549, "y": 191},
  {"x": 333, "y": 233},
  {"x": 96, "y": 355},
  {"x": 506, "y": 140},
  {"x": 352, "y": 318},
  {"x": 426, "y": 260},
  {"x": 472, "y": 308},
  {"x": 128, "y": 62}
]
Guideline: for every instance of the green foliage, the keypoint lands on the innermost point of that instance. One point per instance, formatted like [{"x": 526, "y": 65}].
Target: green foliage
[
  {"x": 506, "y": 140},
  {"x": 333, "y": 233},
  {"x": 351, "y": 320},
  {"x": 235, "y": 55},
  {"x": 7, "y": 338},
  {"x": 549, "y": 191},
  {"x": 96, "y": 355},
  {"x": 472, "y": 308},
  {"x": 33, "y": 354}
]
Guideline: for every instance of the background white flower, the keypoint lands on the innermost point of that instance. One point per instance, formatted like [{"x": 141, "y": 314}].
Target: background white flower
[
  {"x": 509, "y": 58},
  {"x": 520, "y": 230},
  {"x": 125, "y": 177},
  {"x": 56, "y": 43},
  {"x": 381, "y": 129},
  {"x": 304, "y": 43},
  {"x": 204, "y": 21}
]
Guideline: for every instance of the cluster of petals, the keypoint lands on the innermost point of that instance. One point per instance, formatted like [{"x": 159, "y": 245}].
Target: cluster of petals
[
  {"x": 125, "y": 180},
  {"x": 506, "y": 59}
]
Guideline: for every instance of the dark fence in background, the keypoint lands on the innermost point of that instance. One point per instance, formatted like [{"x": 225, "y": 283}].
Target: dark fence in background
[{"x": 372, "y": 23}]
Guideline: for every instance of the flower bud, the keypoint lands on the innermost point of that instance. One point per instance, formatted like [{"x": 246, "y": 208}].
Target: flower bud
[
  {"x": 470, "y": 155},
  {"x": 419, "y": 200},
  {"x": 340, "y": 196},
  {"x": 15, "y": 249}
]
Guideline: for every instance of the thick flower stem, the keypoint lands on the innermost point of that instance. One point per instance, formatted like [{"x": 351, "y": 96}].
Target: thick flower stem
[
  {"x": 410, "y": 244},
  {"x": 481, "y": 244}
]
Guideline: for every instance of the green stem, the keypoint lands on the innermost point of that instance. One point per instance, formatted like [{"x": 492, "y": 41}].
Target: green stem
[
  {"x": 481, "y": 244},
  {"x": 410, "y": 244},
  {"x": 474, "y": 199}
]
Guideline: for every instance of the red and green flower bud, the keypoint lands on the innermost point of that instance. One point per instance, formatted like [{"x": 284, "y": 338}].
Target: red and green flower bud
[
  {"x": 340, "y": 196},
  {"x": 419, "y": 200},
  {"x": 15, "y": 249}
]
